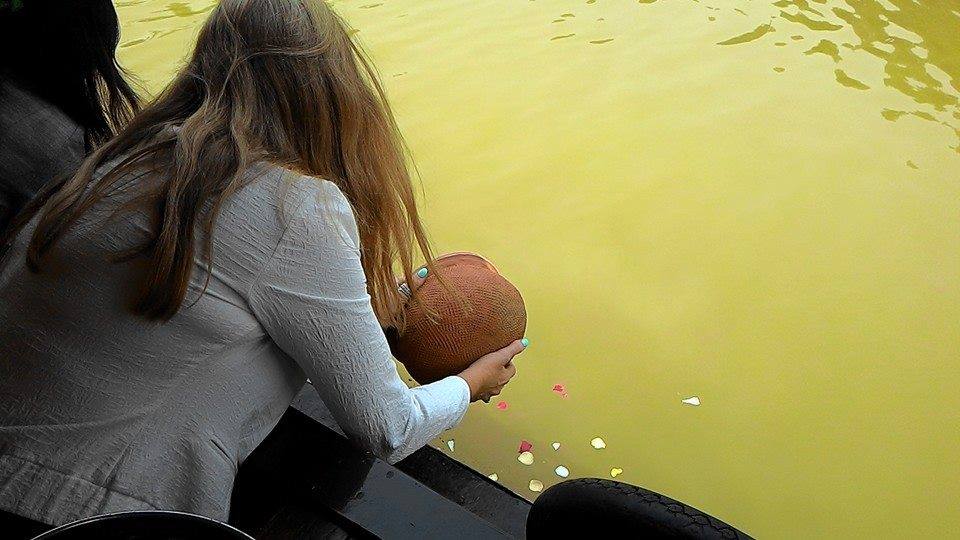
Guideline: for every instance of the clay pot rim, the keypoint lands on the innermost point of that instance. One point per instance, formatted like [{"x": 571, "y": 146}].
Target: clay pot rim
[{"x": 453, "y": 254}]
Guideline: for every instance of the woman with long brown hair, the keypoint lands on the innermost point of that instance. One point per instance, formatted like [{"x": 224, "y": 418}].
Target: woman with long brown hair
[{"x": 160, "y": 309}]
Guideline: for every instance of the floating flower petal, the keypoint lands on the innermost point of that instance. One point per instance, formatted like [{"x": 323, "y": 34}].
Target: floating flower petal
[
  {"x": 450, "y": 444},
  {"x": 562, "y": 471},
  {"x": 502, "y": 405},
  {"x": 693, "y": 400},
  {"x": 556, "y": 446},
  {"x": 616, "y": 471},
  {"x": 494, "y": 477},
  {"x": 526, "y": 458},
  {"x": 525, "y": 446},
  {"x": 536, "y": 486},
  {"x": 598, "y": 443}
]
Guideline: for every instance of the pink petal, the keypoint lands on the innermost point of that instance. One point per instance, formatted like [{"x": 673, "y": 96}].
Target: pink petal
[
  {"x": 525, "y": 446},
  {"x": 502, "y": 405}
]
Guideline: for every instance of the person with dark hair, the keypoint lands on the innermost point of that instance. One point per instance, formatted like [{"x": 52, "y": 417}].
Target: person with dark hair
[{"x": 62, "y": 93}]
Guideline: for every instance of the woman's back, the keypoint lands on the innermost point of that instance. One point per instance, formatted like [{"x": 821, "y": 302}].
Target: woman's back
[{"x": 174, "y": 406}]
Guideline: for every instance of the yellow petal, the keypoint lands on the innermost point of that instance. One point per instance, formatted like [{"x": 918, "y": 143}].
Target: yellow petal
[
  {"x": 526, "y": 458},
  {"x": 598, "y": 443},
  {"x": 536, "y": 485},
  {"x": 616, "y": 471}
]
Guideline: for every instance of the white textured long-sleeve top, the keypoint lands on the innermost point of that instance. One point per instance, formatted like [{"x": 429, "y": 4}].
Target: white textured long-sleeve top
[{"x": 103, "y": 411}]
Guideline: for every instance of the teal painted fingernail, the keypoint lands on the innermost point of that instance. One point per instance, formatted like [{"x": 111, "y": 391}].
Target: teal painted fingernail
[
  {"x": 525, "y": 342},
  {"x": 422, "y": 273}
]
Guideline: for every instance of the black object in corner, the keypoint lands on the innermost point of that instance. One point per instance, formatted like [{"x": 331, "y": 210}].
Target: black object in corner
[{"x": 599, "y": 508}]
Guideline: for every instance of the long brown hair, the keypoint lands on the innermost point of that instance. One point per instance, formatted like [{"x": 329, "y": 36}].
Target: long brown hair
[{"x": 270, "y": 80}]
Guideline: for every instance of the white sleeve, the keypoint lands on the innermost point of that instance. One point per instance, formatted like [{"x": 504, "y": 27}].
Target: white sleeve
[{"x": 312, "y": 299}]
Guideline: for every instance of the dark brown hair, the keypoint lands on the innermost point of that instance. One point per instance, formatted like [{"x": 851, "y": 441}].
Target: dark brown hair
[
  {"x": 270, "y": 80},
  {"x": 64, "y": 52}
]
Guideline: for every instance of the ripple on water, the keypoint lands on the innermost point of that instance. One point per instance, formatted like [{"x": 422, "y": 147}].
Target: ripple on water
[
  {"x": 915, "y": 41},
  {"x": 747, "y": 37},
  {"x": 177, "y": 9},
  {"x": 150, "y": 37}
]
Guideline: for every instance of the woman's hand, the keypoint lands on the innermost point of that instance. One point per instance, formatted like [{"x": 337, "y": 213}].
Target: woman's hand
[
  {"x": 418, "y": 277},
  {"x": 487, "y": 376}
]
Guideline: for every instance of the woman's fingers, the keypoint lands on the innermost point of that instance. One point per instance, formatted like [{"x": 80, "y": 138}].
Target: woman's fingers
[
  {"x": 487, "y": 376},
  {"x": 419, "y": 276},
  {"x": 490, "y": 393},
  {"x": 509, "y": 371},
  {"x": 417, "y": 279},
  {"x": 506, "y": 354}
]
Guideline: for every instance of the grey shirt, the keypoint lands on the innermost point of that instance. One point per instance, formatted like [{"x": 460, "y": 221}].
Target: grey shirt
[
  {"x": 38, "y": 142},
  {"x": 102, "y": 411}
]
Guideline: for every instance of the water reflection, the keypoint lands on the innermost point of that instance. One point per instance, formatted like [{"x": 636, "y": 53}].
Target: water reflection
[
  {"x": 849, "y": 81},
  {"x": 912, "y": 37},
  {"x": 812, "y": 24},
  {"x": 178, "y": 9},
  {"x": 752, "y": 35},
  {"x": 826, "y": 47},
  {"x": 916, "y": 41},
  {"x": 150, "y": 36}
]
